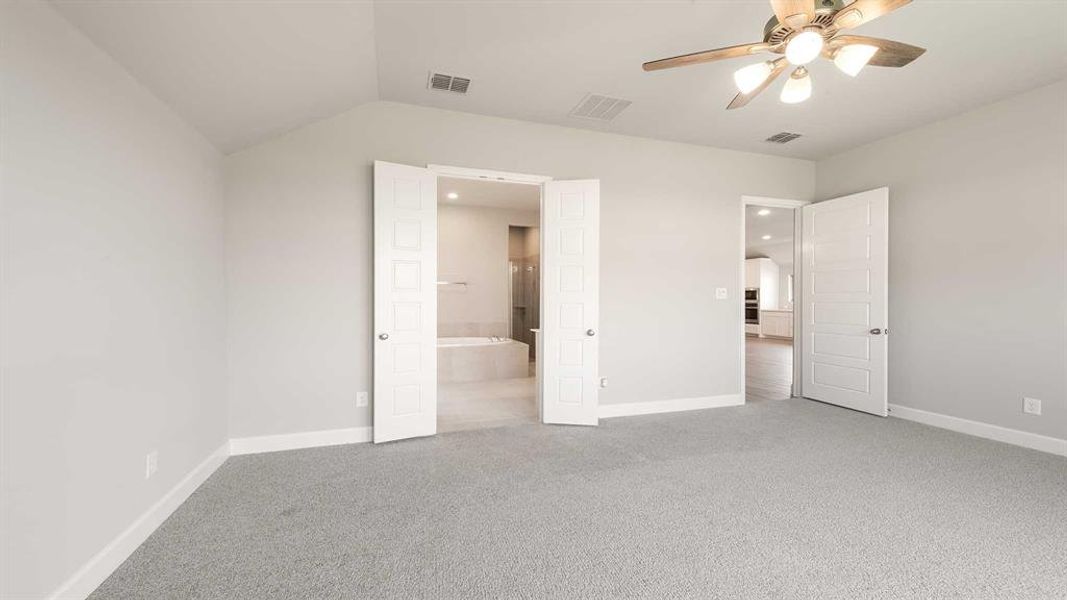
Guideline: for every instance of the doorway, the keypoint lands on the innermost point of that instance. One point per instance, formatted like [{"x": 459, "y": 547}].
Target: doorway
[
  {"x": 488, "y": 300},
  {"x": 833, "y": 347},
  {"x": 407, "y": 345},
  {"x": 769, "y": 297}
]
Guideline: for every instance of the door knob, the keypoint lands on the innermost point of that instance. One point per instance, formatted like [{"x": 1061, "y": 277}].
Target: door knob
[
  {"x": 383, "y": 336},
  {"x": 876, "y": 331},
  {"x": 590, "y": 332}
]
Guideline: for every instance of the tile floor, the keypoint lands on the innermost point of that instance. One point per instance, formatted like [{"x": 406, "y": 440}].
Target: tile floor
[{"x": 483, "y": 404}]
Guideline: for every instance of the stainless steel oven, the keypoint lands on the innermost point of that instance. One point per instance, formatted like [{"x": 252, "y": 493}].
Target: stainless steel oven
[
  {"x": 752, "y": 306},
  {"x": 751, "y": 315}
]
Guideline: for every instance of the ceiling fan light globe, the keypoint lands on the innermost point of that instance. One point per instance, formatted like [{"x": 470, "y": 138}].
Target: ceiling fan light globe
[
  {"x": 804, "y": 47},
  {"x": 852, "y": 58},
  {"x": 749, "y": 78},
  {"x": 798, "y": 88}
]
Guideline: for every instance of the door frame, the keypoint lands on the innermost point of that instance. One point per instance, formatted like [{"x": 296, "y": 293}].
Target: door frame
[
  {"x": 746, "y": 201},
  {"x": 508, "y": 177}
]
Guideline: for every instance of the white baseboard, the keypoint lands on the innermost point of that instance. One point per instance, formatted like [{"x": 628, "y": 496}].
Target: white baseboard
[
  {"x": 984, "y": 430},
  {"x": 104, "y": 563},
  {"x": 626, "y": 409},
  {"x": 294, "y": 441}
]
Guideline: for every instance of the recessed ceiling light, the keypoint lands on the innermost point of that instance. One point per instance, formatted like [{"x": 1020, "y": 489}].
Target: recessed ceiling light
[
  {"x": 764, "y": 212},
  {"x": 452, "y": 195},
  {"x": 766, "y": 237}
]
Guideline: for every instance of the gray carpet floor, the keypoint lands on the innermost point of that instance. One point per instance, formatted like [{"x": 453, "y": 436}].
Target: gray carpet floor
[{"x": 789, "y": 499}]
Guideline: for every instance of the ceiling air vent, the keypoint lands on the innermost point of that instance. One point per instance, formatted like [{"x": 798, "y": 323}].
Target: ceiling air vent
[
  {"x": 782, "y": 138},
  {"x": 600, "y": 108},
  {"x": 449, "y": 83}
]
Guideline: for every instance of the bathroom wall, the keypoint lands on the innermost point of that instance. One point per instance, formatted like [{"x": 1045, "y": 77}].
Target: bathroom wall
[{"x": 473, "y": 247}]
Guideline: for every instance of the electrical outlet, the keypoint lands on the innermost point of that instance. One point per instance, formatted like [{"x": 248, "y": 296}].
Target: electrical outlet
[
  {"x": 361, "y": 399},
  {"x": 151, "y": 464},
  {"x": 1031, "y": 406},
  {"x": 603, "y": 382},
  {"x": 721, "y": 294}
]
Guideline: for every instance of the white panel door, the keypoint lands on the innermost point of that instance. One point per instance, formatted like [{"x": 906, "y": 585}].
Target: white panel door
[
  {"x": 570, "y": 302},
  {"x": 845, "y": 296},
  {"x": 405, "y": 302}
]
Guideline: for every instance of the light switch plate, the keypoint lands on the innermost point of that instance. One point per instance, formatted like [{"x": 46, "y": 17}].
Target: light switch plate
[{"x": 721, "y": 294}]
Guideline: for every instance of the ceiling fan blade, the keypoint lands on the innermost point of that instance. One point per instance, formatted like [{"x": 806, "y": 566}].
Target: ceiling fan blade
[
  {"x": 743, "y": 99},
  {"x": 794, "y": 13},
  {"x": 865, "y": 11},
  {"x": 705, "y": 56},
  {"x": 890, "y": 53}
]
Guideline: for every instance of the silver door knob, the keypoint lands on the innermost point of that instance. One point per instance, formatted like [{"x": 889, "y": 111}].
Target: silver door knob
[
  {"x": 876, "y": 331},
  {"x": 383, "y": 336},
  {"x": 590, "y": 332}
]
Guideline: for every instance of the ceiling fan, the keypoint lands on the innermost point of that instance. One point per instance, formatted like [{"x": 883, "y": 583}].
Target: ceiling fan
[{"x": 803, "y": 30}]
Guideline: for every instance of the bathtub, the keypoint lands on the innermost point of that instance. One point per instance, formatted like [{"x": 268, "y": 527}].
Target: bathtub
[{"x": 461, "y": 359}]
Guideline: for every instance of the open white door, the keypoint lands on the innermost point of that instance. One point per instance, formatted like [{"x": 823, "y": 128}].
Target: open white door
[
  {"x": 570, "y": 302},
  {"x": 845, "y": 295},
  {"x": 405, "y": 302}
]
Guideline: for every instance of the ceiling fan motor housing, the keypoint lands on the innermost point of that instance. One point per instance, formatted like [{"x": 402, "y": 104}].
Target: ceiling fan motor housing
[{"x": 776, "y": 32}]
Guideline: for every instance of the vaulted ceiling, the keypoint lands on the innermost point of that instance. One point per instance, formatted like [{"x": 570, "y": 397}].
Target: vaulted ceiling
[{"x": 242, "y": 72}]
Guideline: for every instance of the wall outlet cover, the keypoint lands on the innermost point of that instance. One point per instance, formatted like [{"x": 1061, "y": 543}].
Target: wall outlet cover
[
  {"x": 1031, "y": 406},
  {"x": 361, "y": 399}
]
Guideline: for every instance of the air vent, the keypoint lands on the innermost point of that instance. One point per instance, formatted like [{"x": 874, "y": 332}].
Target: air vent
[
  {"x": 782, "y": 138},
  {"x": 600, "y": 108},
  {"x": 449, "y": 83}
]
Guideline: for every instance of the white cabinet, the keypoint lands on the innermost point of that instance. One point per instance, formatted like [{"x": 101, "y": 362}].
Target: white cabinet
[
  {"x": 752, "y": 273},
  {"x": 776, "y": 323},
  {"x": 762, "y": 273}
]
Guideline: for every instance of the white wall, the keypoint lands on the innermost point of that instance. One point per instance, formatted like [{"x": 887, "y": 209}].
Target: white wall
[
  {"x": 977, "y": 259},
  {"x": 472, "y": 246},
  {"x": 784, "y": 271},
  {"x": 112, "y": 300},
  {"x": 299, "y": 254}
]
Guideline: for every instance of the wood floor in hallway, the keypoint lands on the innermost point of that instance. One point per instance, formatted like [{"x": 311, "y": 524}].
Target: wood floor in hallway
[{"x": 768, "y": 369}]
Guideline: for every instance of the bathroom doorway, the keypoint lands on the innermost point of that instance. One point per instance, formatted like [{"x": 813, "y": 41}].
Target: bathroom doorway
[
  {"x": 488, "y": 302},
  {"x": 410, "y": 282}
]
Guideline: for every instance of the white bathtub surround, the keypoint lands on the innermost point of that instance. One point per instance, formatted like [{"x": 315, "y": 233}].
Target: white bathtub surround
[
  {"x": 471, "y": 328},
  {"x": 480, "y": 359}
]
